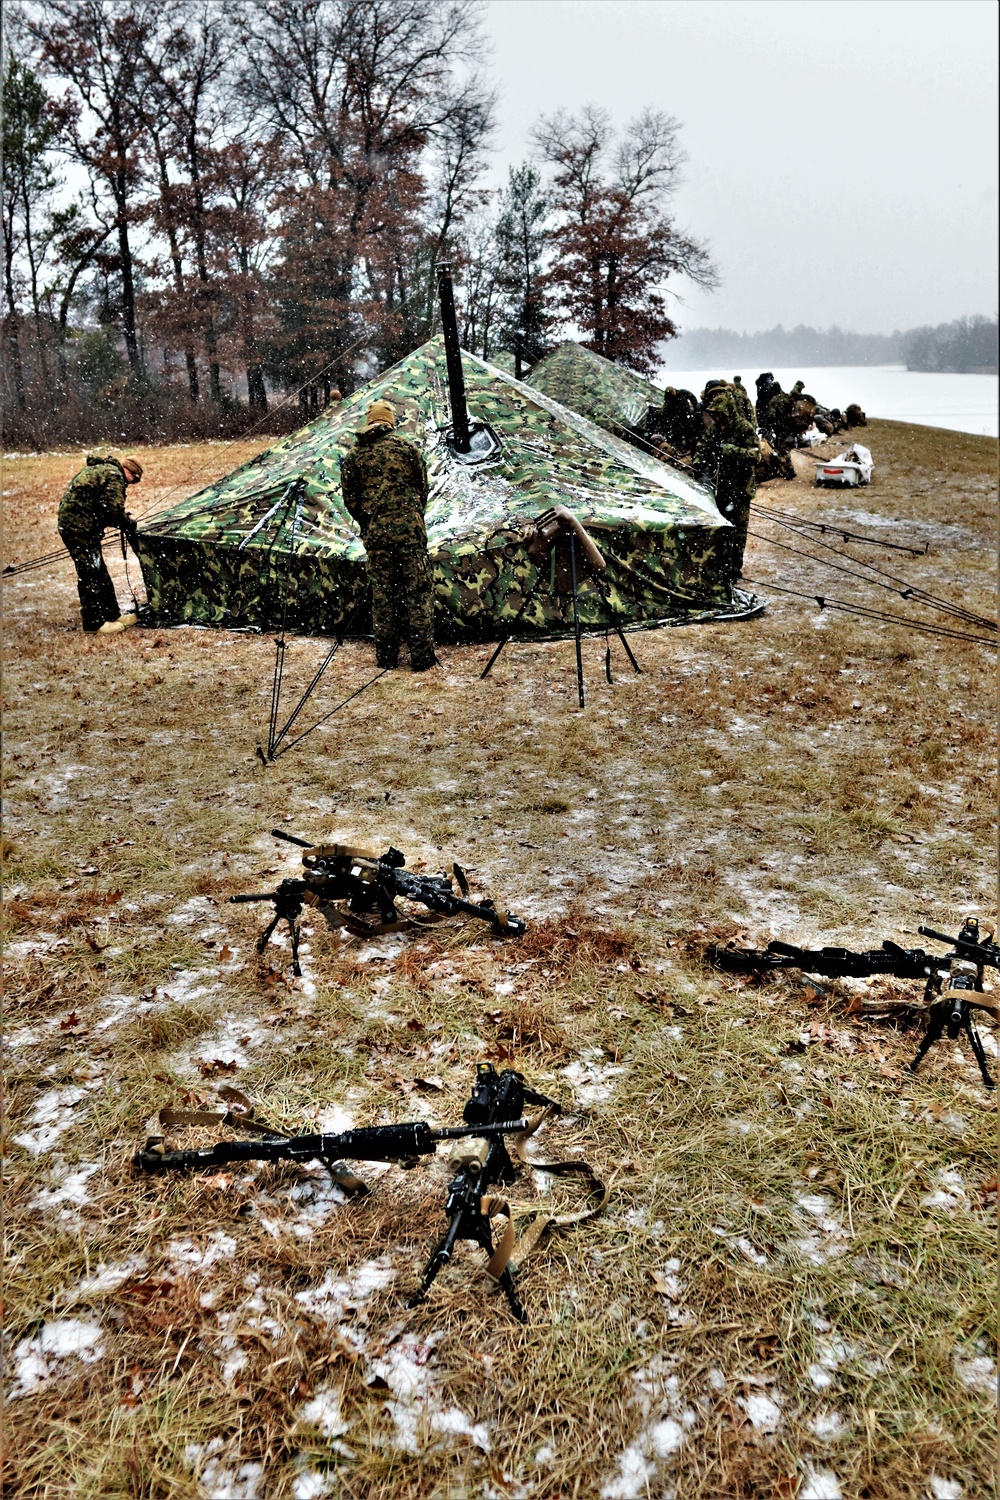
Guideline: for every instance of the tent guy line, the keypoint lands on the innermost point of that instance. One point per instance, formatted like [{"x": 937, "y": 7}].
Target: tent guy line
[
  {"x": 906, "y": 594},
  {"x": 927, "y": 627}
]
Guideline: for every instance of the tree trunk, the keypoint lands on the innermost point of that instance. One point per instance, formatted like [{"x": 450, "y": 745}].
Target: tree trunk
[
  {"x": 128, "y": 286},
  {"x": 256, "y": 390}
]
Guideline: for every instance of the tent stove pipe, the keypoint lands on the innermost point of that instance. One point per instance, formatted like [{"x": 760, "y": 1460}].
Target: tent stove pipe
[{"x": 453, "y": 355}]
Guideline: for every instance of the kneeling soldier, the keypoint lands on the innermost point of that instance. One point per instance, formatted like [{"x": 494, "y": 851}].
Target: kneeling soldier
[
  {"x": 384, "y": 485},
  {"x": 95, "y": 500}
]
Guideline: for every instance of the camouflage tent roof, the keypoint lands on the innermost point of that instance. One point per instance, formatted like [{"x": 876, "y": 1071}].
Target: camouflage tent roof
[
  {"x": 223, "y": 556},
  {"x": 604, "y": 392}
]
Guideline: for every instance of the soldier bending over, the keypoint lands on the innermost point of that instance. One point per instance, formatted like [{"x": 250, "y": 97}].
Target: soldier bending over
[
  {"x": 384, "y": 484},
  {"x": 95, "y": 500}
]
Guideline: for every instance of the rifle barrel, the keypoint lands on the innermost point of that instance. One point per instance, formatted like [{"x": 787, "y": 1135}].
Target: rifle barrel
[{"x": 290, "y": 838}]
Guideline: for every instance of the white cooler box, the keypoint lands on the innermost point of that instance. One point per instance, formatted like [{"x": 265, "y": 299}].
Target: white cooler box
[{"x": 846, "y": 470}]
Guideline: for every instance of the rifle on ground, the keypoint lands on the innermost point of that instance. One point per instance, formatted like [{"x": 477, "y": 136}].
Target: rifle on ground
[
  {"x": 493, "y": 1111},
  {"x": 366, "y": 887},
  {"x": 950, "y": 979}
]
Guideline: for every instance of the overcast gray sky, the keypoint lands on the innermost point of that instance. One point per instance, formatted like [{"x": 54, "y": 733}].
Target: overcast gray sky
[{"x": 842, "y": 154}]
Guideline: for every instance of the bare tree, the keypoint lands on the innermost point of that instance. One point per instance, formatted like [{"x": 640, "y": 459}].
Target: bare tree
[
  {"x": 98, "y": 48},
  {"x": 615, "y": 242}
]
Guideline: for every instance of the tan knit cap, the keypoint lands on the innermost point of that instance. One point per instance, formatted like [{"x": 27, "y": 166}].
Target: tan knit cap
[
  {"x": 133, "y": 465},
  {"x": 380, "y": 412}
]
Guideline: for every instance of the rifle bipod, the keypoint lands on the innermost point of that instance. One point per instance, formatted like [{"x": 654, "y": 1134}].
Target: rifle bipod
[
  {"x": 945, "y": 1016},
  {"x": 470, "y": 1221},
  {"x": 287, "y": 908}
]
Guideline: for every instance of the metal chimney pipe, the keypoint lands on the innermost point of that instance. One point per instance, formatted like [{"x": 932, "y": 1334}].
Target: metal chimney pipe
[{"x": 453, "y": 355}]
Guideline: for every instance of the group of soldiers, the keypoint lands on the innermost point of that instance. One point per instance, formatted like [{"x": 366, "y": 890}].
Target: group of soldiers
[
  {"x": 731, "y": 442},
  {"x": 725, "y": 439}
]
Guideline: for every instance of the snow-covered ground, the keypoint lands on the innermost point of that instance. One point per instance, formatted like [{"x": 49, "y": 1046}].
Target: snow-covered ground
[{"x": 962, "y": 403}]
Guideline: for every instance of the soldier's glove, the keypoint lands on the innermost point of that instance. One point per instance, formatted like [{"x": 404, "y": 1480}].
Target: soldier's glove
[{"x": 130, "y": 531}]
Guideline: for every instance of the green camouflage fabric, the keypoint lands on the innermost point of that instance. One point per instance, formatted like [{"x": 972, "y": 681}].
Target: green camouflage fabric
[
  {"x": 597, "y": 388},
  {"x": 224, "y": 556},
  {"x": 94, "y": 500},
  {"x": 384, "y": 487}
]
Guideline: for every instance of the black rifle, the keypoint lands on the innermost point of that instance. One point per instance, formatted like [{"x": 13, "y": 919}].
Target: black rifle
[
  {"x": 367, "y": 887},
  {"x": 467, "y": 1207},
  {"x": 494, "y": 1110},
  {"x": 950, "y": 979}
]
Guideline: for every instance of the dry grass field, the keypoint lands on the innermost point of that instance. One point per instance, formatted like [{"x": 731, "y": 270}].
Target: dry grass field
[{"x": 791, "y": 1291}]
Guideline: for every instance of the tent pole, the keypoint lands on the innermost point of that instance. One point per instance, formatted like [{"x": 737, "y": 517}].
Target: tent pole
[
  {"x": 489, "y": 665},
  {"x": 453, "y": 356},
  {"x": 576, "y": 619}
]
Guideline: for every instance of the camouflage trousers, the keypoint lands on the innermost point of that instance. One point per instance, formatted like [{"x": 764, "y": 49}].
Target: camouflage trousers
[
  {"x": 402, "y": 603},
  {"x": 734, "y": 491},
  {"x": 98, "y": 600}
]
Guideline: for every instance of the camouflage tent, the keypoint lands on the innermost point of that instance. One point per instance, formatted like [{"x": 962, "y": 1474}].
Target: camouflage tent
[
  {"x": 227, "y": 555},
  {"x": 597, "y": 388}
]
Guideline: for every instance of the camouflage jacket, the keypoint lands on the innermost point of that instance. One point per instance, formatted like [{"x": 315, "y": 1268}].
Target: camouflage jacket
[
  {"x": 744, "y": 405},
  {"x": 727, "y": 433},
  {"x": 95, "y": 500},
  {"x": 384, "y": 485}
]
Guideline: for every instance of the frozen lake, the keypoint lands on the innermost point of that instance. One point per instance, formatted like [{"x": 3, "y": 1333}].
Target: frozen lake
[{"x": 963, "y": 403}]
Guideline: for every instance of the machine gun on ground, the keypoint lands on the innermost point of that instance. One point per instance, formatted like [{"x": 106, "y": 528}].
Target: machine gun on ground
[
  {"x": 950, "y": 979},
  {"x": 351, "y": 887},
  {"x": 493, "y": 1111}
]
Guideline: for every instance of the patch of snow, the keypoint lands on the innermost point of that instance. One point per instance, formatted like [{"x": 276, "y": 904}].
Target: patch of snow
[
  {"x": 824, "y": 1241},
  {"x": 763, "y": 1412},
  {"x": 71, "y": 1189},
  {"x": 332, "y": 1299},
  {"x": 589, "y": 1078},
  {"x": 944, "y": 1489},
  {"x": 186, "y": 1256},
  {"x": 820, "y": 1484},
  {"x": 417, "y": 1408},
  {"x": 52, "y": 1115},
  {"x": 978, "y": 1373},
  {"x": 26, "y": 1036},
  {"x": 826, "y": 1425},
  {"x": 220, "y": 1473},
  {"x": 107, "y": 1278},
  {"x": 949, "y": 1192},
  {"x": 310, "y": 1485},
  {"x": 831, "y": 1353},
  {"x": 324, "y": 1412},
  {"x": 38, "y": 1358},
  {"x": 666, "y": 1424}
]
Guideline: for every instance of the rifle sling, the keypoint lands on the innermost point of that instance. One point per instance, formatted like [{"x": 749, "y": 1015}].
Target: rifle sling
[
  {"x": 516, "y": 1251},
  {"x": 235, "y": 1119}
]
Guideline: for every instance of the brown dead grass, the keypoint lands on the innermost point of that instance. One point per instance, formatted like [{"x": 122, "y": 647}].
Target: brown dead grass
[{"x": 814, "y": 777}]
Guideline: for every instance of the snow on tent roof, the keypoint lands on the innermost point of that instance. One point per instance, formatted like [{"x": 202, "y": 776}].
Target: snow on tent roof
[
  {"x": 209, "y": 560},
  {"x": 595, "y": 387}
]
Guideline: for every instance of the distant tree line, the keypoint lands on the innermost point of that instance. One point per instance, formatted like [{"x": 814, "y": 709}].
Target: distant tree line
[
  {"x": 205, "y": 204},
  {"x": 970, "y": 344},
  {"x": 967, "y": 346}
]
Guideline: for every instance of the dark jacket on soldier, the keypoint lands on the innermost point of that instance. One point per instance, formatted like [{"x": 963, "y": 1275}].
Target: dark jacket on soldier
[
  {"x": 744, "y": 405},
  {"x": 384, "y": 485},
  {"x": 727, "y": 456},
  {"x": 95, "y": 500}
]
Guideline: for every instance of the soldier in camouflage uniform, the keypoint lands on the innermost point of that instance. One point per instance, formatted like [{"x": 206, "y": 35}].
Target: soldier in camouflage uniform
[
  {"x": 95, "y": 500},
  {"x": 384, "y": 485},
  {"x": 782, "y": 422},
  {"x": 679, "y": 420},
  {"x": 743, "y": 403},
  {"x": 726, "y": 456}
]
